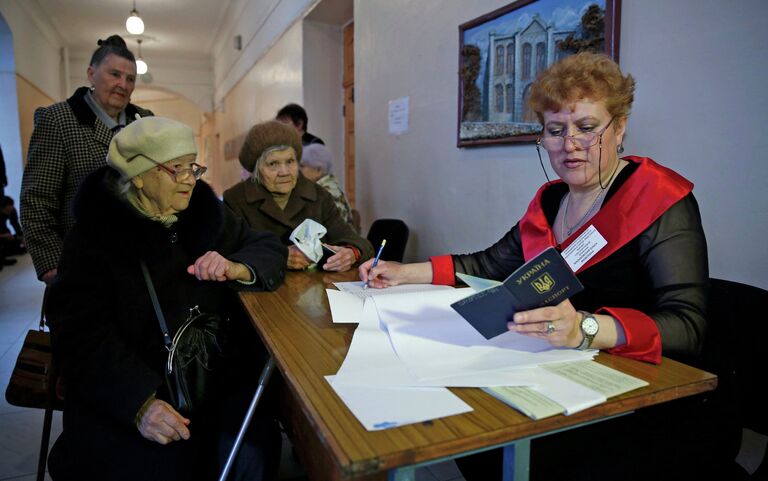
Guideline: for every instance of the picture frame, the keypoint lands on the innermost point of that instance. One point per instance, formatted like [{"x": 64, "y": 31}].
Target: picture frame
[{"x": 501, "y": 52}]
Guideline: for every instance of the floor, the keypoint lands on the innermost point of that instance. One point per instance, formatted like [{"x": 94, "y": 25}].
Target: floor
[{"x": 20, "y": 296}]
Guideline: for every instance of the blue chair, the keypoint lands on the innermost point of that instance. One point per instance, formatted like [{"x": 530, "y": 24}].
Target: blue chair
[{"x": 396, "y": 233}]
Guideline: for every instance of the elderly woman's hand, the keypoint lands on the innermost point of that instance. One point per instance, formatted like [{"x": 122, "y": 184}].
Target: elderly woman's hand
[
  {"x": 341, "y": 261},
  {"x": 212, "y": 266},
  {"x": 161, "y": 423},
  {"x": 539, "y": 323},
  {"x": 296, "y": 259}
]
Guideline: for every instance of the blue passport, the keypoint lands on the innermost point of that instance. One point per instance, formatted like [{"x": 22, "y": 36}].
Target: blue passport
[{"x": 545, "y": 280}]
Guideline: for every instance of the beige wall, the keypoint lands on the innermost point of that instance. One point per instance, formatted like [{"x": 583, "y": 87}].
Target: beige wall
[
  {"x": 699, "y": 108},
  {"x": 274, "y": 81},
  {"x": 323, "y": 92},
  {"x": 30, "y": 98}
]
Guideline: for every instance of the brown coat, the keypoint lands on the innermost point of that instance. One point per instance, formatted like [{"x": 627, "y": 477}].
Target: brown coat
[{"x": 308, "y": 201}]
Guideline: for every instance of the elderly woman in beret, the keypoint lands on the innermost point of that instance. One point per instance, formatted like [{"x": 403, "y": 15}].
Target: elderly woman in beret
[
  {"x": 147, "y": 205},
  {"x": 278, "y": 198}
]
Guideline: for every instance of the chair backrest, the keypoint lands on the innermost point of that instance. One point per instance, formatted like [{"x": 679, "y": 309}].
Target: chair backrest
[
  {"x": 735, "y": 343},
  {"x": 396, "y": 233}
]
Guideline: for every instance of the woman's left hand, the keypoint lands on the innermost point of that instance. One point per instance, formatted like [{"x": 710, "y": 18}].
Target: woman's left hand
[
  {"x": 341, "y": 261},
  {"x": 212, "y": 266},
  {"x": 540, "y": 322}
]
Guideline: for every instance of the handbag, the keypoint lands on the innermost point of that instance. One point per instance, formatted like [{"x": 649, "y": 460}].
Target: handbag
[
  {"x": 196, "y": 355},
  {"x": 35, "y": 382}
]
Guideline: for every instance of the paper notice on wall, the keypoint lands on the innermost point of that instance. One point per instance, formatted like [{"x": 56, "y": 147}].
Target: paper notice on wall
[{"x": 398, "y": 116}]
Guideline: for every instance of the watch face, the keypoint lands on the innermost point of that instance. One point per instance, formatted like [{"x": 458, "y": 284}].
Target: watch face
[{"x": 590, "y": 326}]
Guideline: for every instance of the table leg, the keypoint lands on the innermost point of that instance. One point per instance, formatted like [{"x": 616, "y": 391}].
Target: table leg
[
  {"x": 407, "y": 473},
  {"x": 265, "y": 373},
  {"x": 517, "y": 457}
]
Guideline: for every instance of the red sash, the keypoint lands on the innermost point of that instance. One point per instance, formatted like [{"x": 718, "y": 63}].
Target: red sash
[{"x": 644, "y": 197}]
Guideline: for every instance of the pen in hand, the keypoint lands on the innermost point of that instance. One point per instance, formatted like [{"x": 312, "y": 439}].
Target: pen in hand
[{"x": 375, "y": 261}]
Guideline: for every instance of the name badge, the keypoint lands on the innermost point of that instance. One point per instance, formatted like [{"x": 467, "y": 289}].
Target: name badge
[{"x": 584, "y": 248}]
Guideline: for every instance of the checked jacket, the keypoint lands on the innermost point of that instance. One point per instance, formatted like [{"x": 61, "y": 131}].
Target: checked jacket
[{"x": 68, "y": 143}]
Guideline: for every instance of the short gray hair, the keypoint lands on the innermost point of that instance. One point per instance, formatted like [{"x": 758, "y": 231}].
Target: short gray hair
[
  {"x": 255, "y": 175},
  {"x": 317, "y": 156}
]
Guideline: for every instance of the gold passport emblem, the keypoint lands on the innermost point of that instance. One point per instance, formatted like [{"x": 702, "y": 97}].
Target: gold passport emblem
[{"x": 544, "y": 283}]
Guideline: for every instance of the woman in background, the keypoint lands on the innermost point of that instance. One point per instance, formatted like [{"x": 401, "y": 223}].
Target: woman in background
[
  {"x": 277, "y": 198},
  {"x": 70, "y": 141},
  {"x": 316, "y": 164}
]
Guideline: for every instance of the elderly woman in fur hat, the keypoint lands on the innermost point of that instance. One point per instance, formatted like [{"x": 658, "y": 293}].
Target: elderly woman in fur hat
[
  {"x": 147, "y": 205},
  {"x": 278, "y": 198}
]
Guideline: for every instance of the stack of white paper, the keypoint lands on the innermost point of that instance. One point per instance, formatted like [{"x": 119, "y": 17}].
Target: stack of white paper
[{"x": 410, "y": 346}]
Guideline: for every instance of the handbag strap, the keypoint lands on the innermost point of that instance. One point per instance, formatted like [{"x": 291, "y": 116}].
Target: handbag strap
[
  {"x": 156, "y": 304},
  {"x": 41, "y": 326}
]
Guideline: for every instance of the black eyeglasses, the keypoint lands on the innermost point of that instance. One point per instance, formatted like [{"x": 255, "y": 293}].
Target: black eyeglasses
[
  {"x": 581, "y": 141},
  {"x": 195, "y": 170}
]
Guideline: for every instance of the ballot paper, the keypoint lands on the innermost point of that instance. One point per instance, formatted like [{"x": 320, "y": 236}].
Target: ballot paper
[
  {"x": 347, "y": 303},
  {"x": 345, "y": 307},
  {"x": 435, "y": 342},
  {"x": 358, "y": 289},
  {"x": 382, "y": 407}
]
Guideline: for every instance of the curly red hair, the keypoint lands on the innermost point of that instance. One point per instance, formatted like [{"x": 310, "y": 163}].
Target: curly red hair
[{"x": 583, "y": 76}]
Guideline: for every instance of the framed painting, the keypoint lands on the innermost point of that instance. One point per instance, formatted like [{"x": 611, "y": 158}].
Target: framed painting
[{"x": 501, "y": 53}]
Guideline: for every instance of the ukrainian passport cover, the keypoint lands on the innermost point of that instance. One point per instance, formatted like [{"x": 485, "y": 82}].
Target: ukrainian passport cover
[{"x": 545, "y": 280}]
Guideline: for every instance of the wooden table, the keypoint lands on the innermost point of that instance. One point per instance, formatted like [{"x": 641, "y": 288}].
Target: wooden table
[{"x": 295, "y": 324}]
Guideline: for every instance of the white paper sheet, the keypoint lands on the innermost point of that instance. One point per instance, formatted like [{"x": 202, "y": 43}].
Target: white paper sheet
[
  {"x": 306, "y": 236},
  {"x": 357, "y": 289},
  {"x": 345, "y": 307},
  {"x": 434, "y": 341},
  {"x": 370, "y": 359},
  {"x": 385, "y": 407}
]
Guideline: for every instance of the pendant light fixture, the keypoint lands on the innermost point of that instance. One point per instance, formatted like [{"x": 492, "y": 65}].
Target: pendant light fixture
[
  {"x": 134, "y": 24},
  {"x": 141, "y": 65}
]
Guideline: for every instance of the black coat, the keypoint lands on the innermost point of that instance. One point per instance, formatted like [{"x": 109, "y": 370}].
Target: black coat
[{"x": 105, "y": 332}]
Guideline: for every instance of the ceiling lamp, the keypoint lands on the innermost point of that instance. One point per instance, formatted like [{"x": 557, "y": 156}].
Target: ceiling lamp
[
  {"x": 141, "y": 65},
  {"x": 134, "y": 24}
]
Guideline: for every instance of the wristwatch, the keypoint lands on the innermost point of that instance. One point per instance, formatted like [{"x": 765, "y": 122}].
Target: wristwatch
[{"x": 589, "y": 327}]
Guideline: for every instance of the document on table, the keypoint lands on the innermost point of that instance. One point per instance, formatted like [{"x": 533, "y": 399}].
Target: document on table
[
  {"x": 347, "y": 303},
  {"x": 359, "y": 290},
  {"x": 345, "y": 307},
  {"x": 574, "y": 387},
  {"x": 382, "y": 407},
  {"x": 435, "y": 342}
]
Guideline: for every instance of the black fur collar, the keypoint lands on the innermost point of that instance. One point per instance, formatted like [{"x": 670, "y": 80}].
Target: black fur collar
[{"x": 103, "y": 215}]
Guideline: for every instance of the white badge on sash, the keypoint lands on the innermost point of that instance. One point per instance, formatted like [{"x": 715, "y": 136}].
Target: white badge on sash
[{"x": 584, "y": 248}]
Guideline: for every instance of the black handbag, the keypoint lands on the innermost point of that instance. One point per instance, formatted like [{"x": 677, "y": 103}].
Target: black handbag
[{"x": 196, "y": 356}]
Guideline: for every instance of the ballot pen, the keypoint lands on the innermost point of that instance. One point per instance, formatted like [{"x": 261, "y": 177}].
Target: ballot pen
[{"x": 376, "y": 260}]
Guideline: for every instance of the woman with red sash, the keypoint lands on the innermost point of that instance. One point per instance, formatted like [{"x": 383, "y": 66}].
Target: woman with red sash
[{"x": 641, "y": 255}]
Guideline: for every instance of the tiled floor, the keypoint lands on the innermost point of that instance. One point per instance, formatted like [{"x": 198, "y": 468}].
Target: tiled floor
[{"x": 20, "y": 428}]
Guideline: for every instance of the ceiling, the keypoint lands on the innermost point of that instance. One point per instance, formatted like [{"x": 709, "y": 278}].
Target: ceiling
[{"x": 185, "y": 29}]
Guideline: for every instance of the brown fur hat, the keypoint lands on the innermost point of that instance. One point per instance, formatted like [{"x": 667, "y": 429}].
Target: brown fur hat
[{"x": 265, "y": 135}]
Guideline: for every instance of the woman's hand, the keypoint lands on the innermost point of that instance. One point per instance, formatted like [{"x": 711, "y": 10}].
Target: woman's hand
[
  {"x": 212, "y": 266},
  {"x": 163, "y": 424},
  {"x": 565, "y": 320},
  {"x": 341, "y": 261},
  {"x": 391, "y": 273},
  {"x": 296, "y": 259}
]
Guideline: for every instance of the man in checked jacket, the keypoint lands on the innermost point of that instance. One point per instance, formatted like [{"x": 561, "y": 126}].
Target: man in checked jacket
[{"x": 70, "y": 140}]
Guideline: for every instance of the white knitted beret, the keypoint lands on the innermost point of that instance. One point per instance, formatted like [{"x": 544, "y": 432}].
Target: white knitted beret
[{"x": 134, "y": 148}]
